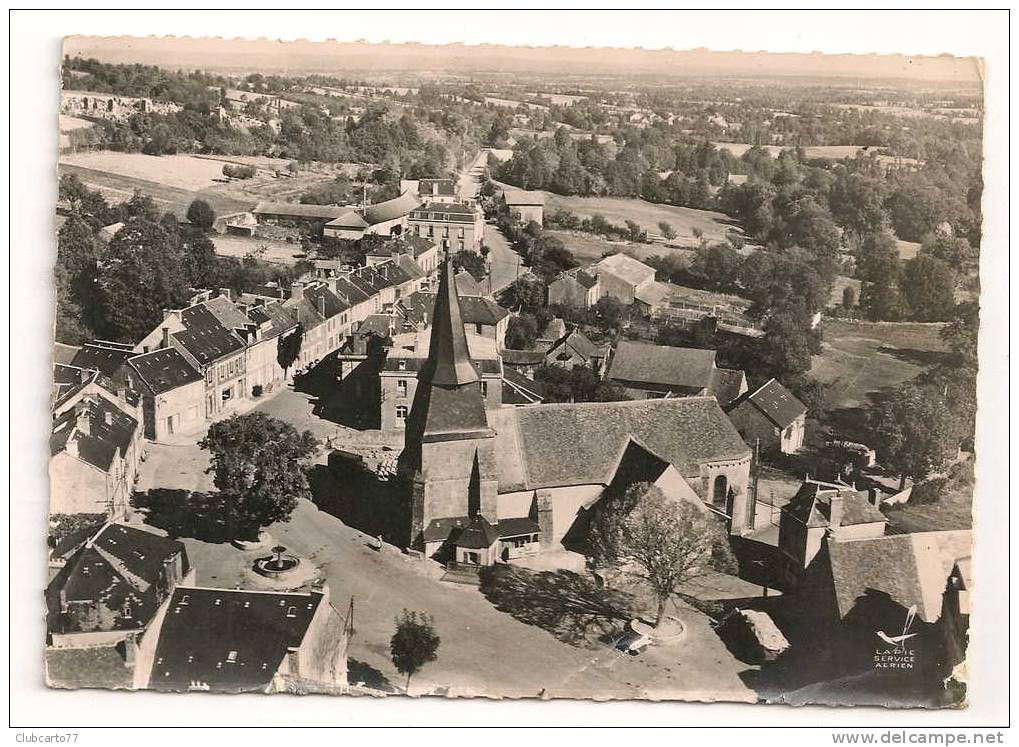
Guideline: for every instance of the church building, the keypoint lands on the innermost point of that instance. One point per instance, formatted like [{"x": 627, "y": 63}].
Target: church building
[{"x": 498, "y": 483}]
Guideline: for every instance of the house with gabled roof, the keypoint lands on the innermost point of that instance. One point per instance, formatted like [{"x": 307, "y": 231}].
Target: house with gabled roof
[
  {"x": 820, "y": 509},
  {"x": 574, "y": 350},
  {"x": 454, "y": 226},
  {"x": 772, "y": 416},
  {"x": 95, "y": 449},
  {"x": 622, "y": 277},
  {"x": 576, "y": 288},
  {"x": 648, "y": 371},
  {"x": 481, "y": 315},
  {"x": 172, "y": 391},
  {"x": 234, "y": 640}
]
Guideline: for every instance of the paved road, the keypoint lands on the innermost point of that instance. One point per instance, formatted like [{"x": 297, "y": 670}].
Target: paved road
[
  {"x": 483, "y": 650},
  {"x": 504, "y": 263}
]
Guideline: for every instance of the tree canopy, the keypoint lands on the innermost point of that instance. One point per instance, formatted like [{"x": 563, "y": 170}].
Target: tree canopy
[
  {"x": 414, "y": 644},
  {"x": 257, "y": 463}
]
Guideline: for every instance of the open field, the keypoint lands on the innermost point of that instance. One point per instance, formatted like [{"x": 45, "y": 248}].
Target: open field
[
  {"x": 618, "y": 210},
  {"x": 588, "y": 248},
  {"x": 174, "y": 181},
  {"x": 812, "y": 151},
  {"x": 180, "y": 171},
  {"x": 119, "y": 188},
  {"x": 864, "y": 357},
  {"x": 279, "y": 252}
]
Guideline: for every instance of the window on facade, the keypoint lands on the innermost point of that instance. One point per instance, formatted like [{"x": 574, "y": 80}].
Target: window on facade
[
  {"x": 484, "y": 388},
  {"x": 401, "y": 388},
  {"x": 210, "y": 376},
  {"x": 401, "y": 412},
  {"x": 461, "y": 232},
  {"x": 461, "y": 243},
  {"x": 228, "y": 393}
]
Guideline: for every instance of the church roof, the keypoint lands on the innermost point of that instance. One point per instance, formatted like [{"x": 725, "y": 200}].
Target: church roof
[
  {"x": 449, "y": 361},
  {"x": 555, "y": 445}
]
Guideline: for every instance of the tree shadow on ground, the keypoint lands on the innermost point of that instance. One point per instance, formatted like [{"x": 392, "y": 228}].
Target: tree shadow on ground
[
  {"x": 925, "y": 358},
  {"x": 568, "y": 605},
  {"x": 360, "y": 500},
  {"x": 360, "y": 672},
  {"x": 758, "y": 562},
  {"x": 183, "y": 513}
]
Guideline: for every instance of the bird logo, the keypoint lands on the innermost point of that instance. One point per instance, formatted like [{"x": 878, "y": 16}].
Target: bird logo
[{"x": 897, "y": 640}]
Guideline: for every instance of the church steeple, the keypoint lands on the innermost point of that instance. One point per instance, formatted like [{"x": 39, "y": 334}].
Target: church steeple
[{"x": 449, "y": 361}]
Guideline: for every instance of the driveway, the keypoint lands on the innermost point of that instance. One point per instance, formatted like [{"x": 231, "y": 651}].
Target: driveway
[{"x": 504, "y": 263}]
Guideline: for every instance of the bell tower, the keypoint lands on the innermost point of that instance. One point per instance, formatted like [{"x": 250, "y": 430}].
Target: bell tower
[{"x": 449, "y": 447}]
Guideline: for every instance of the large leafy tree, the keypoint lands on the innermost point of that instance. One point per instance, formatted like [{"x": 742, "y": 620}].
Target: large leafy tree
[
  {"x": 414, "y": 644},
  {"x": 258, "y": 465},
  {"x": 928, "y": 288},
  {"x": 665, "y": 542},
  {"x": 142, "y": 273},
  {"x": 857, "y": 202},
  {"x": 201, "y": 214},
  {"x": 914, "y": 430},
  {"x": 789, "y": 342},
  {"x": 288, "y": 348},
  {"x": 879, "y": 271}
]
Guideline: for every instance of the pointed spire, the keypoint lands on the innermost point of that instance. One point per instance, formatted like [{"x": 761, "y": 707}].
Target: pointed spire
[{"x": 449, "y": 362}]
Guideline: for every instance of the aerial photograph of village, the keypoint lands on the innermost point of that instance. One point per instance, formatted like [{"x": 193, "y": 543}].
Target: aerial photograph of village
[{"x": 388, "y": 370}]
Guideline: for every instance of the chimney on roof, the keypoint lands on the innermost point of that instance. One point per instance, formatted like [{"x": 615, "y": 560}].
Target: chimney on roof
[
  {"x": 435, "y": 189},
  {"x": 322, "y": 306},
  {"x": 296, "y": 289},
  {"x": 226, "y": 293},
  {"x": 108, "y": 417},
  {"x": 84, "y": 375},
  {"x": 836, "y": 512},
  {"x": 72, "y": 447},
  {"x": 166, "y": 337}
]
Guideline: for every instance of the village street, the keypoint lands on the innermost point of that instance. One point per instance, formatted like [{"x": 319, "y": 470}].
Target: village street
[{"x": 483, "y": 650}]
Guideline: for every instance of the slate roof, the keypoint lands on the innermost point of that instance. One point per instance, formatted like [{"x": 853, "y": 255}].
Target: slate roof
[
  {"x": 297, "y": 210},
  {"x": 121, "y": 565},
  {"x": 626, "y": 267},
  {"x": 94, "y": 667},
  {"x": 228, "y": 640},
  {"x": 727, "y": 384},
  {"x": 446, "y": 187},
  {"x": 68, "y": 381},
  {"x": 279, "y": 319},
  {"x": 654, "y": 294},
  {"x": 349, "y": 219},
  {"x": 662, "y": 365},
  {"x": 466, "y": 285},
  {"x": 576, "y": 342},
  {"x": 910, "y": 568},
  {"x": 478, "y": 534},
  {"x": 229, "y": 314},
  {"x": 349, "y": 292},
  {"x": 205, "y": 337},
  {"x": 419, "y": 308},
  {"x": 164, "y": 370},
  {"x": 518, "y": 389},
  {"x": 325, "y": 300},
  {"x": 553, "y": 445},
  {"x": 812, "y": 505},
  {"x": 512, "y": 357},
  {"x": 586, "y": 279},
  {"x": 517, "y": 527},
  {"x": 390, "y": 209},
  {"x": 410, "y": 266},
  {"x": 776, "y": 402},
  {"x": 451, "y": 212},
  {"x": 102, "y": 441},
  {"x": 102, "y": 358},
  {"x": 555, "y": 330}
]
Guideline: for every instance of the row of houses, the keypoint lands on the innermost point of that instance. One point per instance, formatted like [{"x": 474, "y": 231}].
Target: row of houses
[
  {"x": 201, "y": 363},
  {"x": 124, "y": 611}
]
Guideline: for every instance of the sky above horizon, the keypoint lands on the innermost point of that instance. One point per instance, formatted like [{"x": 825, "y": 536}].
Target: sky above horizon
[{"x": 224, "y": 55}]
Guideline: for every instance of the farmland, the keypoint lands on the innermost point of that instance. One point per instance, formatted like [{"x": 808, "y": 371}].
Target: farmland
[
  {"x": 278, "y": 252},
  {"x": 812, "y": 151},
  {"x": 860, "y": 358},
  {"x": 174, "y": 181},
  {"x": 619, "y": 209},
  {"x": 589, "y": 248}
]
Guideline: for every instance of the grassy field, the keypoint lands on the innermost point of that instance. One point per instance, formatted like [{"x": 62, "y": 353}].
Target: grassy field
[
  {"x": 860, "y": 358},
  {"x": 589, "y": 248},
  {"x": 812, "y": 151},
  {"x": 618, "y": 210},
  {"x": 119, "y": 188},
  {"x": 180, "y": 171},
  {"x": 279, "y": 252}
]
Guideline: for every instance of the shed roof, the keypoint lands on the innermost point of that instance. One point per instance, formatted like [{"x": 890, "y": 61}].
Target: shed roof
[{"x": 662, "y": 365}]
